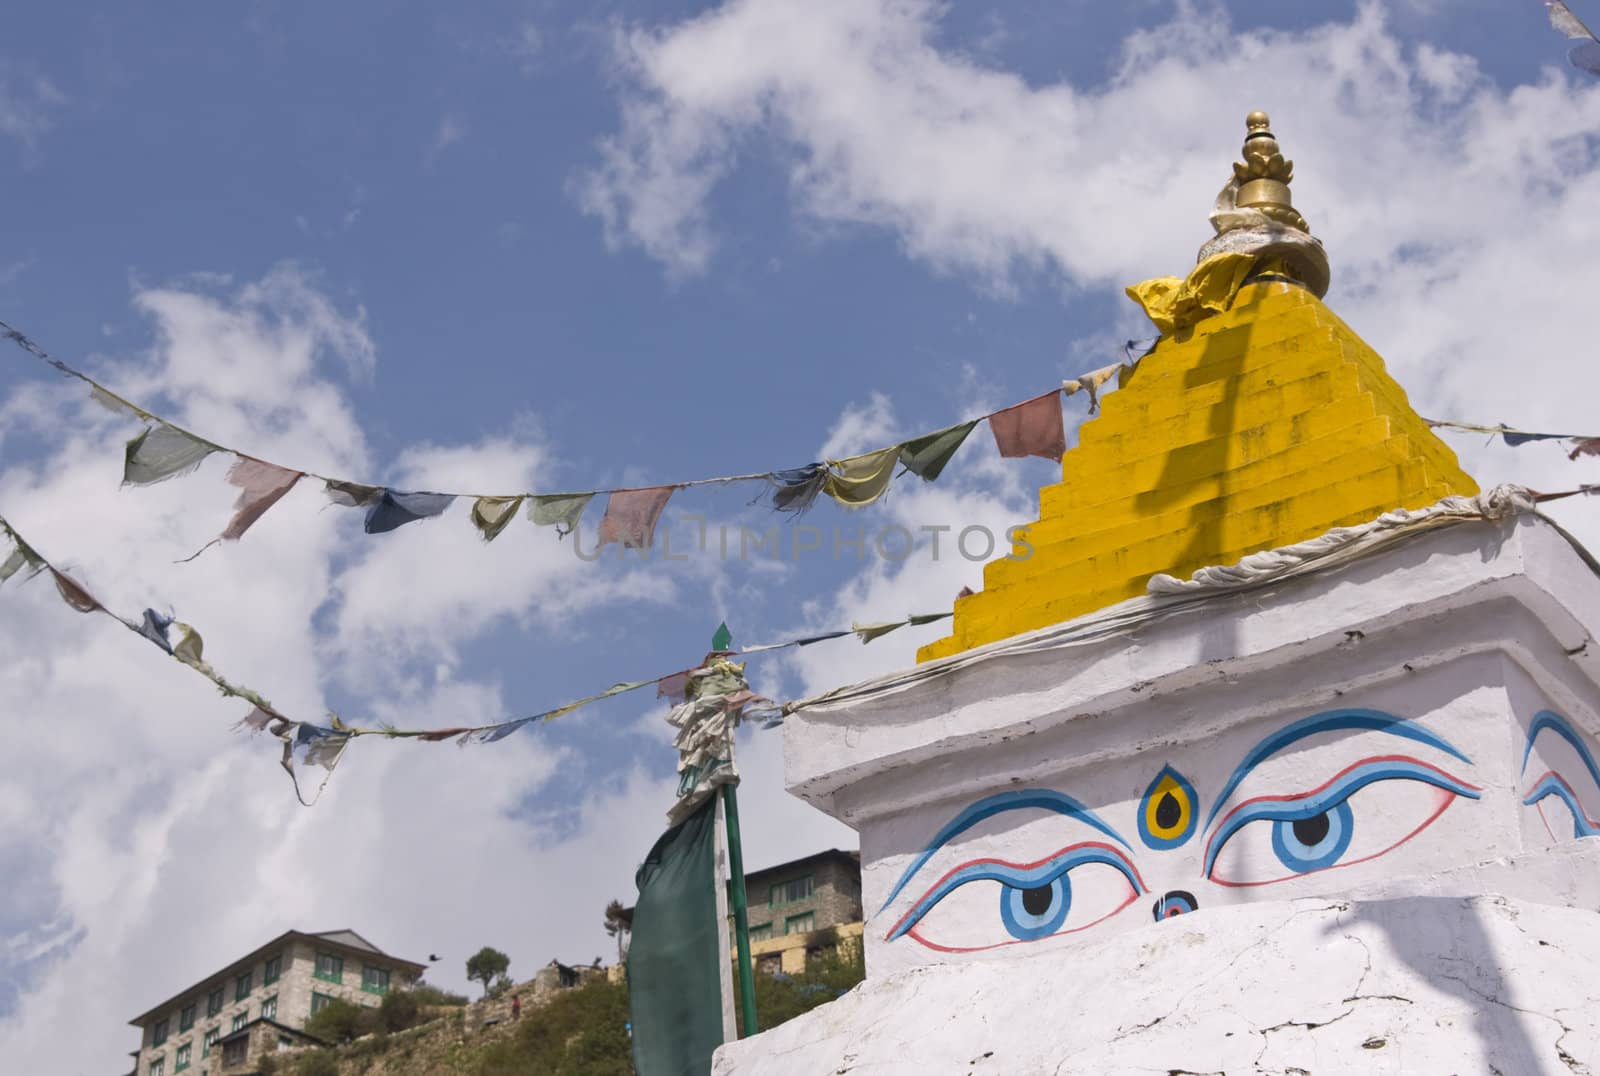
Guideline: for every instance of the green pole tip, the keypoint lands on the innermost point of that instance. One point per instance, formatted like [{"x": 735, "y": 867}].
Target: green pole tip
[{"x": 723, "y": 639}]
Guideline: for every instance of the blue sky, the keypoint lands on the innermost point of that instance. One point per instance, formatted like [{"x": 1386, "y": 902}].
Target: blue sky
[{"x": 567, "y": 246}]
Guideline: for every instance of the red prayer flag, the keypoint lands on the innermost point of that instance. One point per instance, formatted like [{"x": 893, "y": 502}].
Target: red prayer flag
[
  {"x": 1031, "y": 428},
  {"x": 631, "y": 516}
]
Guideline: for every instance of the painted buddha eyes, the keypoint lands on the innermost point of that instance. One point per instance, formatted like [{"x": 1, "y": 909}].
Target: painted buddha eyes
[
  {"x": 1365, "y": 811},
  {"x": 1070, "y": 891}
]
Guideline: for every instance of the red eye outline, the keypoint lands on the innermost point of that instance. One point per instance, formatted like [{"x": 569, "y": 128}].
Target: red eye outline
[
  {"x": 1131, "y": 875},
  {"x": 1451, "y": 786}
]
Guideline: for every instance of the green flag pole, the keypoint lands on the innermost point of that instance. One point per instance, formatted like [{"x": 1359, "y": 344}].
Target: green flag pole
[
  {"x": 723, "y": 641},
  {"x": 741, "y": 913}
]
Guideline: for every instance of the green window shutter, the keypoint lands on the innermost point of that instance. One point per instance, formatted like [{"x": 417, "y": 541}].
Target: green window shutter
[
  {"x": 269, "y": 1008},
  {"x": 241, "y": 1019},
  {"x": 241, "y": 986}
]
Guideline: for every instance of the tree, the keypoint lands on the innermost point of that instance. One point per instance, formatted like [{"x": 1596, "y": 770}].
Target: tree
[
  {"x": 487, "y": 965},
  {"x": 618, "y": 924}
]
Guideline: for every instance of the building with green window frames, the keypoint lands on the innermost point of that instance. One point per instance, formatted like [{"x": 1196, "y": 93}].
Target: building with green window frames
[{"x": 224, "y": 1022}]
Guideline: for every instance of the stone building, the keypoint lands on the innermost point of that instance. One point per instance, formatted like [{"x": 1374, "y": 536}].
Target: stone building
[
  {"x": 221, "y": 1025},
  {"x": 802, "y": 907}
]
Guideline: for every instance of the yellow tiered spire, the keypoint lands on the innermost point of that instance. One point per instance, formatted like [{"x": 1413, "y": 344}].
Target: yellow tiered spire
[{"x": 1264, "y": 425}]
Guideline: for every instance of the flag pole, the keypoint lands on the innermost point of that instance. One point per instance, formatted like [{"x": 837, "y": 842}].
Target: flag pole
[
  {"x": 723, "y": 641},
  {"x": 741, "y": 913}
]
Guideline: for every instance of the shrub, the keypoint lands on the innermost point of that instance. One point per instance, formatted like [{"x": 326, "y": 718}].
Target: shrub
[
  {"x": 317, "y": 1063},
  {"x": 400, "y": 1009},
  {"x": 428, "y": 994},
  {"x": 577, "y": 1032},
  {"x": 828, "y": 975},
  {"x": 339, "y": 1021}
]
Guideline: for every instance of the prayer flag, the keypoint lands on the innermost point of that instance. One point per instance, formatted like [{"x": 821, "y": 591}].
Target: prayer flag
[
  {"x": 631, "y": 516},
  {"x": 159, "y": 453},
  {"x": 74, "y": 594},
  {"x": 1589, "y": 446},
  {"x": 393, "y": 510},
  {"x": 154, "y": 627},
  {"x": 1091, "y": 383},
  {"x": 868, "y": 632},
  {"x": 796, "y": 489},
  {"x": 351, "y": 494},
  {"x": 1031, "y": 428},
  {"x": 560, "y": 510},
  {"x": 257, "y": 719},
  {"x": 860, "y": 480},
  {"x": 675, "y": 995},
  {"x": 491, "y": 514},
  {"x": 261, "y": 485},
  {"x": 927, "y": 455}
]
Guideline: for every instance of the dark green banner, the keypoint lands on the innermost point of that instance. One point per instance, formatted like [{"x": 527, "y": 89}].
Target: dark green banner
[{"x": 674, "y": 966}]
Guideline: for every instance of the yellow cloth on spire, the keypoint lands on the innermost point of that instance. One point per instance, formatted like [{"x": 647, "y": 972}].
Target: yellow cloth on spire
[{"x": 1175, "y": 304}]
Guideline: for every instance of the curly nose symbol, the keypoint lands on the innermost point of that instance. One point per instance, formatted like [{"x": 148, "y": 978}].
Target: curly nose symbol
[{"x": 1177, "y": 902}]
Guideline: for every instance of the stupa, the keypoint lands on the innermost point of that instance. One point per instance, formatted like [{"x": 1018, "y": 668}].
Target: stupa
[{"x": 1278, "y": 754}]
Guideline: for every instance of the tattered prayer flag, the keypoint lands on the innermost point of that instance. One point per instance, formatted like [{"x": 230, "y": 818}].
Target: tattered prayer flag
[
  {"x": 860, "y": 480},
  {"x": 675, "y": 686},
  {"x": 73, "y": 594},
  {"x": 190, "y": 647},
  {"x": 438, "y": 735},
  {"x": 351, "y": 494},
  {"x": 559, "y": 510},
  {"x": 261, "y": 485},
  {"x": 154, "y": 627},
  {"x": 161, "y": 452},
  {"x": 926, "y": 618},
  {"x": 868, "y": 632},
  {"x": 796, "y": 489},
  {"x": 491, "y": 514},
  {"x": 1031, "y": 428},
  {"x": 1586, "y": 55},
  {"x": 20, "y": 557},
  {"x": 1517, "y": 440},
  {"x": 1589, "y": 446},
  {"x": 257, "y": 719},
  {"x": 631, "y": 516},
  {"x": 1091, "y": 383},
  {"x": 927, "y": 455},
  {"x": 393, "y": 510},
  {"x": 498, "y": 734},
  {"x": 116, "y": 404},
  {"x": 821, "y": 638},
  {"x": 312, "y": 746}
]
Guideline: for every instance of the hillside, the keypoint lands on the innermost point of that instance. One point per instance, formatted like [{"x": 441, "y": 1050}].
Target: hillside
[{"x": 580, "y": 1031}]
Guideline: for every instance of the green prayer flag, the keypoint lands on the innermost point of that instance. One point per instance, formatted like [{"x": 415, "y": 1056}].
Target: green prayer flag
[
  {"x": 491, "y": 514},
  {"x": 561, "y": 510},
  {"x": 723, "y": 639},
  {"x": 161, "y": 452},
  {"x": 926, "y": 456},
  {"x": 674, "y": 957}
]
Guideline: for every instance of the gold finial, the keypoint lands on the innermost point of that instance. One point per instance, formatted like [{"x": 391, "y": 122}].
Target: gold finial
[{"x": 1264, "y": 176}]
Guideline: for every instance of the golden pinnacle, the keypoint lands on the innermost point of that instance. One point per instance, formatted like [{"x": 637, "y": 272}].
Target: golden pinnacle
[{"x": 1264, "y": 176}]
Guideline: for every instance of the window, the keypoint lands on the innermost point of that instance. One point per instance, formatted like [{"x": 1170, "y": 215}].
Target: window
[
  {"x": 800, "y": 924},
  {"x": 214, "y": 1002},
  {"x": 319, "y": 1002},
  {"x": 241, "y": 987},
  {"x": 181, "y": 1059},
  {"x": 272, "y": 971},
  {"x": 330, "y": 968},
  {"x": 789, "y": 892},
  {"x": 158, "y": 1066},
  {"x": 209, "y": 1041},
  {"x": 374, "y": 980},
  {"x": 285, "y": 1042},
  {"x": 234, "y": 1053},
  {"x": 240, "y": 1019},
  {"x": 269, "y": 1008},
  {"x": 186, "y": 1018},
  {"x": 158, "y": 1034},
  {"x": 761, "y": 932}
]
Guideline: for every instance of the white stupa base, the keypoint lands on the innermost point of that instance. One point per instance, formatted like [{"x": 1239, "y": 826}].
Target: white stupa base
[{"x": 1413, "y": 984}]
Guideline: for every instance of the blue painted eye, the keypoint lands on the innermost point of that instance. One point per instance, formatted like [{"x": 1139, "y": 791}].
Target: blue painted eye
[
  {"x": 1038, "y": 912},
  {"x": 1315, "y": 842}
]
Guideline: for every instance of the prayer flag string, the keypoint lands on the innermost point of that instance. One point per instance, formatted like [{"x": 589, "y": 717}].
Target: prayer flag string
[
  {"x": 165, "y": 450},
  {"x": 307, "y": 745}
]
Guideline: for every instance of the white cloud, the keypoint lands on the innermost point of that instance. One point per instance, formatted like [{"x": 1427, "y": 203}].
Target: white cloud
[
  {"x": 451, "y": 129},
  {"x": 28, "y": 102}
]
